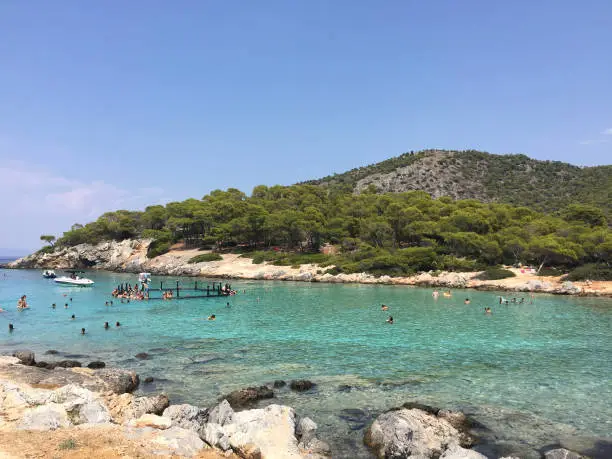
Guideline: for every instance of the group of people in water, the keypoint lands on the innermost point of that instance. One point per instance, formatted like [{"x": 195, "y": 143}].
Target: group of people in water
[
  {"x": 126, "y": 291},
  {"x": 22, "y": 303}
]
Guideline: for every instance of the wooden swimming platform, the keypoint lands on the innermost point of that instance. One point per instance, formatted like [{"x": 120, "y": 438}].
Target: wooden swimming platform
[{"x": 197, "y": 290}]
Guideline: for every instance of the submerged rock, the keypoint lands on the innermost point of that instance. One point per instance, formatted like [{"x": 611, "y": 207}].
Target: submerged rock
[
  {"x": 142, "y": 356},
  {"x": 301, "y": 385},
  {"x": 247, "y": 397},
  {"x": 96, "y": 365},
  {"x": 149, "y": 380},
  {"x": 279, "y": 383},
  {"x": 562, "y": 453},
  {"x": 413, "y": 432}
]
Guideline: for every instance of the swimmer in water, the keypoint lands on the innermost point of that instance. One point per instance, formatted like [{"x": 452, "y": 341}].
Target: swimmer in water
[
  {"x": 53, "y": 306},
  {"x": 390, "y": 320},
  {"x": 118, "y": 324},
  {"x": 487, "y": 310},
  {"x": 212, "y": 317},
  {"x": 82, "y": 331},
  {"x": 73, "y": 317},
  {"x": 106, "y": 326},
  {"x": 435, "y": 294},
  {"x": 228, "y": 305},
  {"x": 384, "y": 307},
  {"x": 106, "y": 303},
  {"x": 466, "y": 301},
  {"x": 11, "y": 328},
  {"x": 66, "y": 306},
  {"x": 111, "y": 303},
  {"x": 70, "y": 299}
]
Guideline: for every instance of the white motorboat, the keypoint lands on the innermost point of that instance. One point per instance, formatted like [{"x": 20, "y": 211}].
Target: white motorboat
[
  {"x": 74, "y": 279},
  {"x": 49, "y": 274}
]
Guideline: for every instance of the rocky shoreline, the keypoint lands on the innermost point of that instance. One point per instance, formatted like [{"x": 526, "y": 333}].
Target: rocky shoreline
[
  {"x": 63, "y": 397},
  {"x": 130, "y": 256}
]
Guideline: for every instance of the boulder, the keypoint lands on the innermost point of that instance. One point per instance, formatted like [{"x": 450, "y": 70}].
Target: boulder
[
  {"x": 562, "y": 453},
  {"x": 279, "y": 383},
  {"x": 221, "y": 414},
  {"x": 151, "y": 420},
  {"x": 25, "y": 357},
  {"x": 187, "y": 416},
  {"x": 96, "y": 365},
  {"x": 148, "y": 405},
  {"x": 457, "y": 452},
  {"x": 45, "y": 417},
  {"x": 68, "y": 364},
  {"x": 47, "y": 365},
  {"x": 169, "y": 442},
  {"x": 81, "y": 405},
  {"x": 118, "y": 381},
  {"x": 272, "y": 429},
  {"x": 214, "y": 435},
  {"x": 301, "y": 385},
  {"x": 52, "y": 352},
  {"x": 149, "y": 380},
  {"x": 247, "y": 397},
  {"x": 306, "y": 430},
  {"x": 316, "y": 447},
  {"x": 412, "y": 432}
]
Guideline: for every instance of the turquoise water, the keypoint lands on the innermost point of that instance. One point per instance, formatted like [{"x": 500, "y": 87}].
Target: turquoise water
[{"x": 535, "y": 374}]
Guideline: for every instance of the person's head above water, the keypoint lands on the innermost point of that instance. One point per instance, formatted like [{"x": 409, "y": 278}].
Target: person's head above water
[
  {"x": 105, "y": 324},
  {"x": 73, "y": 316},
  {"x": 11, "y": 328},
  {"x": 118, "y": 324},
  {"x": 82, "y": 331}
]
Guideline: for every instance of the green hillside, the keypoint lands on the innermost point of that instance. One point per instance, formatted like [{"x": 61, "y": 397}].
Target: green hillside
[{"x": 513, "y": 179}]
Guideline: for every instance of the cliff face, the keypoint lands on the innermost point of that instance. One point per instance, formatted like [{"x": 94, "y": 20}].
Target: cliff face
[{"x": 128, "y": 256}]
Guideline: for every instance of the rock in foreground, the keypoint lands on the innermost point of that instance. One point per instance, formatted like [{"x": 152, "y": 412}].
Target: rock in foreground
[{"x": 417, "y": 433}]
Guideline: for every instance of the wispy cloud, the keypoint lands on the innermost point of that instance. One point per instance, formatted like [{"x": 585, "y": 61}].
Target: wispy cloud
[
  {"x": 607, "y": 131},
  {"x": 39, "y": 200},
  {"x": 593, "y": 141}
]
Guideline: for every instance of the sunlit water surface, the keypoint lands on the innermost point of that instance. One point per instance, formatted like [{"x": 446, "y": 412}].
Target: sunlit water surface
[{"x": 534, "y": 374}]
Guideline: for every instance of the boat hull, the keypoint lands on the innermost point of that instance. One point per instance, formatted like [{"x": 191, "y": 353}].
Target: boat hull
[{"x": 75, "y": 282}]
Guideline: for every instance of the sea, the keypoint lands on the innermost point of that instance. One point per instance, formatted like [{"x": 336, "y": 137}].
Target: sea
[{"x": 531, "y": 374}]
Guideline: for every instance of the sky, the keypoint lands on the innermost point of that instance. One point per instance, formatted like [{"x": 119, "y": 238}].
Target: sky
[{"x": 112, "y": 104}]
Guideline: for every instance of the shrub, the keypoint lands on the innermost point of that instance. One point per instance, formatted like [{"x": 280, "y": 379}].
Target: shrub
[
  {"x": 591, "y": 272},
  {"x": 495, "y": 274},
  {"x": 546, "y": 271},
  {"x": 68, "y": 444},
  {"x": 158, "y": 248},
  {"x": 205, "y": 257},
  {"x": 47, "y": 249}
]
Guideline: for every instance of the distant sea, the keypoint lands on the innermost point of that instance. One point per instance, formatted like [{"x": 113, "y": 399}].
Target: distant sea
[{"x": 7, "y": 259}]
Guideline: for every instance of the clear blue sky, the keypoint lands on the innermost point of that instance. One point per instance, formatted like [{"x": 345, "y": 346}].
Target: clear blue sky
[{"x": 125, "y": 103}]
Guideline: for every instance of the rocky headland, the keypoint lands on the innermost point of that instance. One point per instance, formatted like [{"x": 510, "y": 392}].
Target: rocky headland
[{"x": 131, "y": 256}]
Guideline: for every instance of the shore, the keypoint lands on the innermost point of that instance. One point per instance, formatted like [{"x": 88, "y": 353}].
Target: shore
[{"x": 130, "y": 256}]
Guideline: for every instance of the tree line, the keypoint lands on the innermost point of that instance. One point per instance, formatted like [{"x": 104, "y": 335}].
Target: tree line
[{"x": 392, "y": 233}]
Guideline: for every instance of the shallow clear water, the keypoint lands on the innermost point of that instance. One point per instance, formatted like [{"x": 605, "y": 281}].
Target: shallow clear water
[{"x": 535, "y": 374}]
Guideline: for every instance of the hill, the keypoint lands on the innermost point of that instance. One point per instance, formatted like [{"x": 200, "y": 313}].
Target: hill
[{"x": 513, "y": 179}]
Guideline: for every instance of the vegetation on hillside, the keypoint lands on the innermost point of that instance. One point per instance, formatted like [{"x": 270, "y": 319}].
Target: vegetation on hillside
[
  {"x": 391, "y": 233},
  {"x": 514, "y": 179}
]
